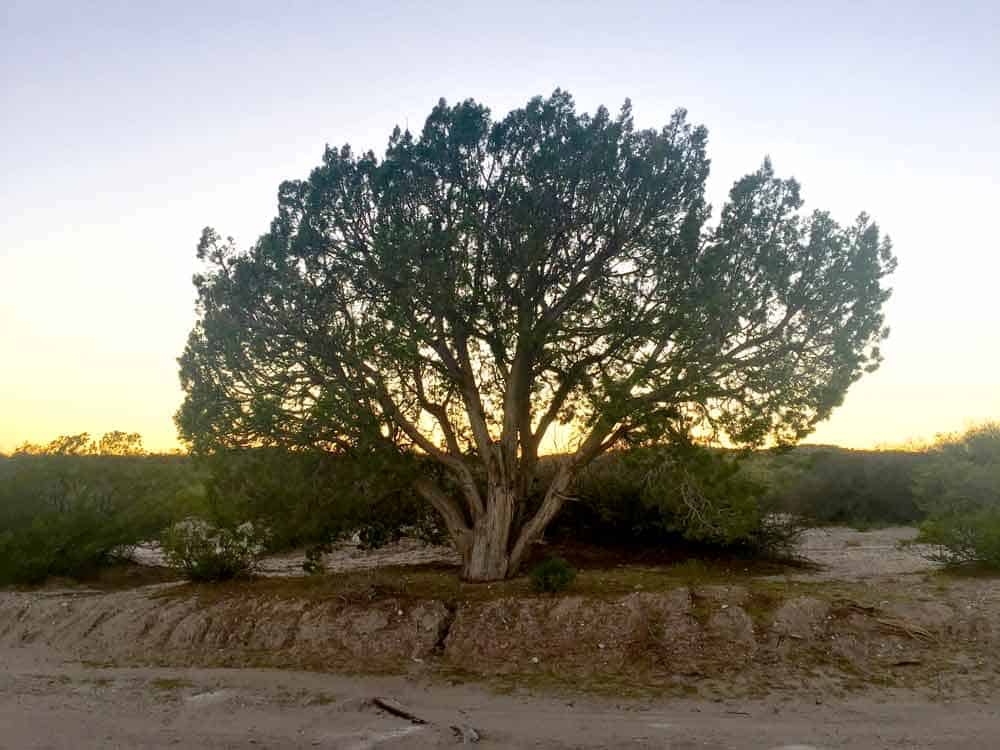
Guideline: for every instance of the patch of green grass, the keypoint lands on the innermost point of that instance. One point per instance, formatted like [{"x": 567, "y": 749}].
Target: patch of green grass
[
  {"x": 92, "y": 664},
  {"x": 555, "y": 683},
  {"x": 321, "y": 699},
  {"x": 694, "y": 570},
  {"x": 129, "y": 576},
  {"x": 968, "y": 570},
  {"x": 305, "y": 697},
  {"x": 170, "y": 684},
  {"x": 441, "y": 583}
]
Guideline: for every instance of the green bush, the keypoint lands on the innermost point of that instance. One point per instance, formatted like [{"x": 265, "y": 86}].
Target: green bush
[
  {"x": 963, "y": 539},
  {"x": 311, "y": 498},
  {"x": 959, "y": 488},
  {"x": 660, "y": 496},
  {"x": 835, "y": 486},
  {"x": 205, "y": 552},
  {"x": 961, "y": 473},
  {"x": 552, "y": 576},
  {"x": 70, "y": 544},
  {"x": 68, "y": 515}
]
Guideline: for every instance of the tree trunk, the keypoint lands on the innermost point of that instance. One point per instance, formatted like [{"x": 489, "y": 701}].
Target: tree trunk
[
  {"x": 555, "y": 497},
  {"x": 487, "y": 557}
]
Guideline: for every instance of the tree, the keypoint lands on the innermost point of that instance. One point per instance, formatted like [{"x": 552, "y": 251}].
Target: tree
[
  {"x": 64, "y": 445},
  {"x": 118, "y": 443},
  {"x": 487, "y": 280},
  {"x": 115, "y": 443}
]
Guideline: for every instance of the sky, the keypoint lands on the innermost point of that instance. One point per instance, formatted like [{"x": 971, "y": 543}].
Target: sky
[{"x": 126, "y": 127}]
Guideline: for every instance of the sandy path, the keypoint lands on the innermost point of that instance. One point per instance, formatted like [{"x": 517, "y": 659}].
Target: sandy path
[
  {"x": 49, "y": 703},
  {"x": 46, "y": 704},
  {"x": 849, "y": 555},
  {"x": 842, "y": 554},
  {"x": 345, "y": 556}
]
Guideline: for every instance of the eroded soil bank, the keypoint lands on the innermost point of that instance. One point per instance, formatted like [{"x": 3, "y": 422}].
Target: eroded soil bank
[
  {"x": 748, "y": 638},
  {"x": 871, "y": 649}
]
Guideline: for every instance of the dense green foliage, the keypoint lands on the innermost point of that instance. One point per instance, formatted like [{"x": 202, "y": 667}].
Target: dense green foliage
[
  {"x": 552, "y": 575},
  {"x": 69, "y": 513},
  {"x": 969, "y": 538},
  {"x": 67, "y": 507},
  {"x": 311, "y": 498},
  {"x": 962, "y": 472},
  {"x": 826, "y": 485},
  {"x": 655, "y": 496},
  {"x": 66, "y": 515},
  {"x": 960, "y": 490},
  {"x": 487, "y": 279}
]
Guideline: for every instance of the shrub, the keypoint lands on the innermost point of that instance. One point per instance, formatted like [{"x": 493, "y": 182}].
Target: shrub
[
  {"x": 827, "y": 485},
  {"x": 552, "y": 575},
  {"x": 962, "y": 539},
  {"x": 67, "y": 515},
  {"x": 205, "y": 552},
  {"x": 959, "y": 487},
  {"x": 311, "y": 498},
  {"x": 961, "y": 473},
  {"x": 659, "y": 496},
  {"x": 71, "y": 544}
]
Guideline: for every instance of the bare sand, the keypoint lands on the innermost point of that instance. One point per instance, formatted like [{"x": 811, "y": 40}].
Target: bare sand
[
  {"x": 51, "y": 700},
  {"x": 840, "y": 553},
  {"x": 47, "y": 704}
]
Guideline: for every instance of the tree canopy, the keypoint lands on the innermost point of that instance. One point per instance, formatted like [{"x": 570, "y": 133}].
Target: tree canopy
[
  {"x": 488, "y": 279},
  {"x": 115, "y": 443}
]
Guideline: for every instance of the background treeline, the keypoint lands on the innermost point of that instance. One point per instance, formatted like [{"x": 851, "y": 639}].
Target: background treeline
[{"x": 69, "y": 507}]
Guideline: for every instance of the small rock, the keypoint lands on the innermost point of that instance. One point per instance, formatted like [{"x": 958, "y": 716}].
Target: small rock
[
  {"x": 467, "y": 734},
  {"x": 534, "y": 660}
]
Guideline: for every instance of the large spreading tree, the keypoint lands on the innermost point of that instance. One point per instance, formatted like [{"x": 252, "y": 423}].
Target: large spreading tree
[{"x": 487, "y": 280}]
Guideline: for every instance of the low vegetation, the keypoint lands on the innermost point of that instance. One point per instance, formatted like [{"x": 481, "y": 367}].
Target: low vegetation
[
  {"x": 205, "y": 552},
  {"x": 552, "y": 575},
  {"x": 959, "y": 490},
  {"x": 680, "y": 495},
  {"x": 76, "y": 505},
  {"x": 74, "y": 510},
  {"x": 834, "y": 486}
]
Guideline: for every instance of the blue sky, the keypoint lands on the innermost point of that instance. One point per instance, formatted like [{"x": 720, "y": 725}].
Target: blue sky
[{"x": 129, "y": 126}]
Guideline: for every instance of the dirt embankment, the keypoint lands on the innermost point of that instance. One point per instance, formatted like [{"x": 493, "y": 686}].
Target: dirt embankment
[{"x": 689, "y": 639}]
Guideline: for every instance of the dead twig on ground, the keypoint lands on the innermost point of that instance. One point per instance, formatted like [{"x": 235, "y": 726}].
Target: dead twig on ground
[
  {"x": 394, "y": 708},
  {"x": 907, "y": 629}
]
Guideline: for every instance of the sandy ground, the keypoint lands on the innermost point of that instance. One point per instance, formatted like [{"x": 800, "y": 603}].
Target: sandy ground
[
  {"x": 45, "y": 704},
  {"x": 841, "y": 553},
  {"x": 849, "y": 555},
  {"x": 344, "y": 557}
]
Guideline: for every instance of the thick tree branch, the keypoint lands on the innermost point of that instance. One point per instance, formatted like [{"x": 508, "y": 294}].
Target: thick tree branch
[{"x": 454, "y": 519}]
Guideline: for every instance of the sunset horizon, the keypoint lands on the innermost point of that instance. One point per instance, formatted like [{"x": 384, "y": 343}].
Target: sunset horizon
[{"x": 98, "y": 247}]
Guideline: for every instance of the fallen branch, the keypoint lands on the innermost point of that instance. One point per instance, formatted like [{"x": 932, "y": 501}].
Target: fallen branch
[
  {"x": 394, "y": 708},
  {"x": 908, "y": 629}
]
